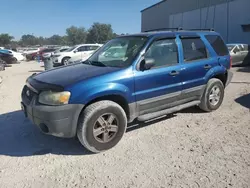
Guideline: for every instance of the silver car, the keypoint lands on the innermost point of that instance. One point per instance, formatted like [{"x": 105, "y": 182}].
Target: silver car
[{"x": 240, "y": 53}]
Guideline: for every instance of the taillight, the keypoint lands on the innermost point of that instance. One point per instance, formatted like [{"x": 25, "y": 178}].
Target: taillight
[{"x": 231, "y": 62}]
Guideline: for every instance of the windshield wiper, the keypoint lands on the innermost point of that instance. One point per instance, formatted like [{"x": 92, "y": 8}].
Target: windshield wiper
[
  {"x": 96, "y": 63},
  {"x": 87, "y": 62}
]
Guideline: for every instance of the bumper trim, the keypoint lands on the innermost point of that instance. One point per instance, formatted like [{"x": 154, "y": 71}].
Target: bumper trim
[
  {"x": 229, "y": 77},
  {"x": 61, "y": 121}
]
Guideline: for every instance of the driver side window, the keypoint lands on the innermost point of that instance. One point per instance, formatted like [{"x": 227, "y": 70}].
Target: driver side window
[
  {"x": 82, "y": 49},
  {"x": 164, "y": 52}
]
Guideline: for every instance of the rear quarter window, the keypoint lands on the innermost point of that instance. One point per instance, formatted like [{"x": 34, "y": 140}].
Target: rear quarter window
[{"x": 218, "y": 44}]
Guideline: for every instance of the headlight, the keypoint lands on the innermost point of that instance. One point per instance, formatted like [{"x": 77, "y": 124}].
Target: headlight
[{"x": 54, "y": 98}]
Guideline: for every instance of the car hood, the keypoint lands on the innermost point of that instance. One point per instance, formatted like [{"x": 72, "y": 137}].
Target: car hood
[
  {"x": 67, "y": 75},
  {"x": 62, "y": 53}
]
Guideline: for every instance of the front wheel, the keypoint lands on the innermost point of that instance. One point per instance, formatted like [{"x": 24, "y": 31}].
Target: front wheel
[
  {"x": 101, "y": 126},
  {"x": 213, "y": 95},
  {"x": 65, "y": 60}
]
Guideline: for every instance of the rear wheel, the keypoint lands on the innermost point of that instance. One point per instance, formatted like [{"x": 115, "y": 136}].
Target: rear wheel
[
  {"x": 101, "y": 126},
  {"x": 213, "y": 95}
]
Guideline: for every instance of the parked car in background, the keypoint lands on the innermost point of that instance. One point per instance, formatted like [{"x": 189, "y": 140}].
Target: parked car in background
[
  {"x": 82, "y": 51},
  {"x": 44, "y": 52},
  {"x": 17, "y": 55},
  {"x": 76, "y": 58},
  {"x": 30, "y": 52},
  {"x": 6, "y": 56},
  {"x": 58, "y": 50},
  {"x": 240, "y": 53},
  {"x": 156, "y": 73}
]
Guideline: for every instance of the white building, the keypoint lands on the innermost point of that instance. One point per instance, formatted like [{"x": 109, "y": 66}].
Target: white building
[{"x": 231, "y": 18}]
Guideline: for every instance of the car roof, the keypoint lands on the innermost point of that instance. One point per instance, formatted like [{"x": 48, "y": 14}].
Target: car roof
[
  {"x": 88, "y": 45},
  {"x": 170, "y": 33}
]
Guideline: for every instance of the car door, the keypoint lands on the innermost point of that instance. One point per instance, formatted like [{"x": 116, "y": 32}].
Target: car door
[
  {"x": 159, "y": 87},
  {"x": 243, "y": 53},
  {"x": 246, "y": 60},
  {"x": 196, "y": 63},
  {"x": 80, "y": 52},
  {"x": 236, "y": 55}
]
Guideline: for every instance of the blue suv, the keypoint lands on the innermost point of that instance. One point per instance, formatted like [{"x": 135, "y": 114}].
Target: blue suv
[{"x": 147, "y": 75}]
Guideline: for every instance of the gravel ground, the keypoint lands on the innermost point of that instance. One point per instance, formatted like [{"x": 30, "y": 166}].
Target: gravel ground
[{"x": 187, "y": 149}]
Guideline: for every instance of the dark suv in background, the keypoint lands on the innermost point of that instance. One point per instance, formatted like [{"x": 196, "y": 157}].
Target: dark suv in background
[{"x": 158, "y": 73}]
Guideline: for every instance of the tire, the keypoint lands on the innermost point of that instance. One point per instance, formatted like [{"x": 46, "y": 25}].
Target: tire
[
  {"x": 89, "y": 120},
  {"x": 64, "y": 60},
  {"x": 207, "y": 104}
]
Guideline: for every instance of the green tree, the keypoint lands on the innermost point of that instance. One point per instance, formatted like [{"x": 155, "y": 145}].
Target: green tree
[
  {"x": 55, "y": 40},
  {"x": 100, "y": 33},
  {"x": 29, "y": 40},
  {"x": 5, "y": 39},
  {"x": 76, "y": 35},
  {"x": 65, "y": 40},
  {"x": 115, "y": 35}
]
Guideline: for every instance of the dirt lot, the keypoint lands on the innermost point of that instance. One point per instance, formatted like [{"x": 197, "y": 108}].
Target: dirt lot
[{"x": 187, "y": 149}]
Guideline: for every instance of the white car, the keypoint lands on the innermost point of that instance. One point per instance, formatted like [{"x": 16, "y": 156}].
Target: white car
[
  {"x": 81, "y": 51},
  {"x": 77, "y": 59},
  {"x": 31, "y": 51},
  {"x": 18, "y": 56}
]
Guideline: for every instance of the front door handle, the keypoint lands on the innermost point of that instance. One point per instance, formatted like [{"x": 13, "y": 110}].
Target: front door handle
[
  {"x": 207, "y": 67},
  {"x": 174, "y": 73}
]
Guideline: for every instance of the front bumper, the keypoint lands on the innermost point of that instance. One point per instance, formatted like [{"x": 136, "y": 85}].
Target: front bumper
[
  {"x": 60, "y": 121},
  {"x": 229, "y": 77}
]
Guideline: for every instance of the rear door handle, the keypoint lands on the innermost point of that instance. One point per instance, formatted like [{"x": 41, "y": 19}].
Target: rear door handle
[
  {"x": 207, "y": 67},
  {"x": 174, "y": 73}
]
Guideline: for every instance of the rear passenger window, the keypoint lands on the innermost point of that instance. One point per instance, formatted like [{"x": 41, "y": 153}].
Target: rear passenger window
[
  {"x": 218, "y": 44},
  {"x": 193, "y": 49},
  {"x": 164, "y": 52}
]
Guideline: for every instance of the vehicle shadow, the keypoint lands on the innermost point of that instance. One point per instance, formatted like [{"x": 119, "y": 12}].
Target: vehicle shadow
[
  {"x": 193, "y": 110},
  {"x": 244, "y": 100},
  {"x": 18, "y": 137},
  {"x": 138, "y": 124},
  {"x": 244, "y": 69}
]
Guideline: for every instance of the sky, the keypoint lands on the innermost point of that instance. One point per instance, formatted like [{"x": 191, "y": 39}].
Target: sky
[{"x": 48, "y": 17}]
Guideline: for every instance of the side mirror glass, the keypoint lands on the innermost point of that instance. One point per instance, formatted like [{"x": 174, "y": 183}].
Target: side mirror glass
[{"x": 147, "y": 64}]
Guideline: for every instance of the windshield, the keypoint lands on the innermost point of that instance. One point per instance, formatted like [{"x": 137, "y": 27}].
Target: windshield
[
  {"x": 70, "y": 49},
  {"x": 62, "y": 50},
  {"x": 118, "y": 52},
  {"x": 230, "y": 47}
]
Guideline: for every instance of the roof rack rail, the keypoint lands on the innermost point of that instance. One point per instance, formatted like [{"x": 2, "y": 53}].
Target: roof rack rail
[
  {"x": 165, "y": 29},
  {"x": 205, "y": 29}
]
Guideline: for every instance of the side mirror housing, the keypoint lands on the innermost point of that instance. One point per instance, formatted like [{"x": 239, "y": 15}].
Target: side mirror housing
[{"x": 147, "y": 64}]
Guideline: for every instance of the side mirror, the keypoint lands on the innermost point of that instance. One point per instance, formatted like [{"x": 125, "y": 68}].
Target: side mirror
[{"x": 147, "y": 64}]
